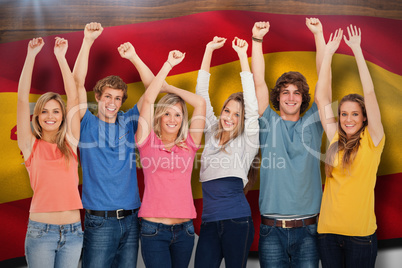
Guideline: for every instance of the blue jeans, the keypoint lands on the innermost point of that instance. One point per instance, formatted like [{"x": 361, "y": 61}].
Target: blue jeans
[
  {"x": 166, "y": 245},
  {"x": 347, "y": 251},
  {"x": 110, "y": 242},
  {"x": 49, "y": 245},
  {"x": 288, "y": 247},
  {"x": 230, "y": 239}
]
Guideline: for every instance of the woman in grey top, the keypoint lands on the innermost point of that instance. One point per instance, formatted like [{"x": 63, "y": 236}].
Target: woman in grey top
[{"x": 231, "y": 143}]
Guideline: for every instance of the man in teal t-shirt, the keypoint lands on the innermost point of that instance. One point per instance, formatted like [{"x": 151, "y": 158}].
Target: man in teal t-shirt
[{"x": 290, "y": 180}]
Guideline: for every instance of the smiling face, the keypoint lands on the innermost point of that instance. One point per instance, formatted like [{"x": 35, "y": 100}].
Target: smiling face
[
  {"x": 351, "y": 117},
  {"x": 230, "y": 116},
  {"x": 171, "y": 120},
  {"x": 109, "y": 104},
  {"x": 290, "y": 100},
  {"x": 51, "y": 117}
]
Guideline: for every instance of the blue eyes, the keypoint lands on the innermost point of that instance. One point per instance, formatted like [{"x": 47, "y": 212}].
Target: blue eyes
[
  {"x": 228, "y": 112},
  {"x": 177, "y": 115},
  {"x": 354, "y": 114}
]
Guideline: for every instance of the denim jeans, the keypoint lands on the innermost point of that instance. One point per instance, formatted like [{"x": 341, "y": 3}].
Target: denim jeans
[
  {"x": 288, "y": 247},
  {"x": 166, "y": 245},
  {"x": 50, "y": 245},
  {"x": 347, "y": 251},
  {"x": 110, "y": 242},
  {"x": 230, "y": 239}
]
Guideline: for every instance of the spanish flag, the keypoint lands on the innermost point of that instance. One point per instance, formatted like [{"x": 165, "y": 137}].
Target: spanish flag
[{"x": 289, "y": 46}]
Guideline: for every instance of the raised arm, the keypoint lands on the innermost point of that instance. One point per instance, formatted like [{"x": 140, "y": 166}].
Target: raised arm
[
  {"x": 204, "y": 75},
  {"x": 323, "y": 90},
  {"x": 73, "y": 114},
  {"x": 127, "y": 51},
  {"x": 315, "y": 27},
  {"x": 249, "y": 93},
  {"x": 25, "y": 137},
  {"x": 216, "y": 43},
  {"x": 260, "y": 29},
  {"x": 241, "y": 46},
  {"x": 91, "y": 32},
  {"x": 375, "y": 126},
  {"x": 147, "y": 109}
]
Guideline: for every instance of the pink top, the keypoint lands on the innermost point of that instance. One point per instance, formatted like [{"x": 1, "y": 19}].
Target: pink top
[
  {"x": 167, "y": 178},
  {"x": 54, "y": 183}
]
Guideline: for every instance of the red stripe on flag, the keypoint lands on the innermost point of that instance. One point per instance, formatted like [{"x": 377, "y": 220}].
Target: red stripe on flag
[
  {"x": 153, "y": 40},
  {"x": 13, "y": 227},
  {"x": 388, "y": 206}
]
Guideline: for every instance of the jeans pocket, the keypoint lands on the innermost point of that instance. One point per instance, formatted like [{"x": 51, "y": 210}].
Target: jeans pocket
[
  {"x": 93, "y": 222},
  {"x": 78, "y": 232},
  {"x": 312, "y": 229},
  {"x": 148, "y": 230},
  {"x": 34, "y": 232},
  {"x": 265, "y": 230},
  {"x": 361, "y": 240},
  {"x": 190, "y": 230}
]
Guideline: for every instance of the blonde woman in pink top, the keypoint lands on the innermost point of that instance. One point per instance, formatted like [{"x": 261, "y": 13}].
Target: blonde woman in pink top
[
  {"x": 54, "y": 236},
  {"x": 167, "y": 147}
]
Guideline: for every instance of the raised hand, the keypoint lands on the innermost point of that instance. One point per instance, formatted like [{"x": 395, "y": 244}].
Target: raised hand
[
  {"x": 216, "y": 43},
  {"x": 334, "y": 41},
  {"x": 35, "y": 46},
  {"x": 314, "y": 25},
  {"x": 175, "y": 57},
  {"x": 240, "y": 45},
  {"x": 354, "y": 37},
  {"x": 60, "y": 47},
  {"x": 92, "y": 30},
  {"x": 260, "y": 29},
  {"x": 126, "y": 50}
]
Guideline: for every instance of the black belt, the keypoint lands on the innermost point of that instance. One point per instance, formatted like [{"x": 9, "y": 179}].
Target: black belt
[
  {"x": 289, "y": 223},
  {"x": 118, "y": 213}
]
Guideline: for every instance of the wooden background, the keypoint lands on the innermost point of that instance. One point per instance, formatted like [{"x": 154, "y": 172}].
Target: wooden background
[{"x": 25, "y": 19}]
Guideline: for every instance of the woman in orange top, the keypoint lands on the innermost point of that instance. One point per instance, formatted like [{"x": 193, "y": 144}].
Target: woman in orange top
[
  {"x": 347, "y": 222},
  {"x": 54, "y": 236}
]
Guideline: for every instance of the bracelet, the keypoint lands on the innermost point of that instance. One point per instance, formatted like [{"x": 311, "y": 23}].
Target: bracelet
[
  {"x": 256, "y": 39},
  {"x": 169, "y": 63}
]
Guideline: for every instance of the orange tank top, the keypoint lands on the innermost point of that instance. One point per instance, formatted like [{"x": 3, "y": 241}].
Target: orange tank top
[{"x": 53, "y": 181}]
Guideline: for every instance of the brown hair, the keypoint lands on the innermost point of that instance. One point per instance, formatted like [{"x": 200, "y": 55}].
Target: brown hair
[
  {"x": 349, "y": 146},
  {"x": 61, "y": 141},
  {"x": 111, "y": 81},
  {"x": 291, "y": 78}
]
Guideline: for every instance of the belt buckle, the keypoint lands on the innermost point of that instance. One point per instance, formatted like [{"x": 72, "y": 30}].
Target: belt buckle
[
  {"x": 284, "y": 224},
  {"x": 117, "y": 214}
]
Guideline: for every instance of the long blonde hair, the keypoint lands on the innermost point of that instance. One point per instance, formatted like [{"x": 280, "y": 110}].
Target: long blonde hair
[
  {"x": 349, "y": 146},
  {"x": 61, "y": 134},
  {"x": 238, "y": 96},
  {"x": 164, "y": 103}
]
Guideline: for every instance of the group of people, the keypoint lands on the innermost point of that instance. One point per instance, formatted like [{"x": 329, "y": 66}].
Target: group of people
[{"x": 299, "y": 224}]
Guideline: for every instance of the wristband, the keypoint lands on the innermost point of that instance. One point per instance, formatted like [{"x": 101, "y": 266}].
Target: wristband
[
  {"x": 256, "y": 39},
  {"x": 169, "y": 63}
]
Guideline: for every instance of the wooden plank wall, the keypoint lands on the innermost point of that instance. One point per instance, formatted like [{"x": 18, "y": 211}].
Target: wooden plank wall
[{"x": 25, "y": 19}]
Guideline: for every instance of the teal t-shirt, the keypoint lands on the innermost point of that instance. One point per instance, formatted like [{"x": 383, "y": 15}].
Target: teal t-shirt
[{"x": 290, "y": 179}]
